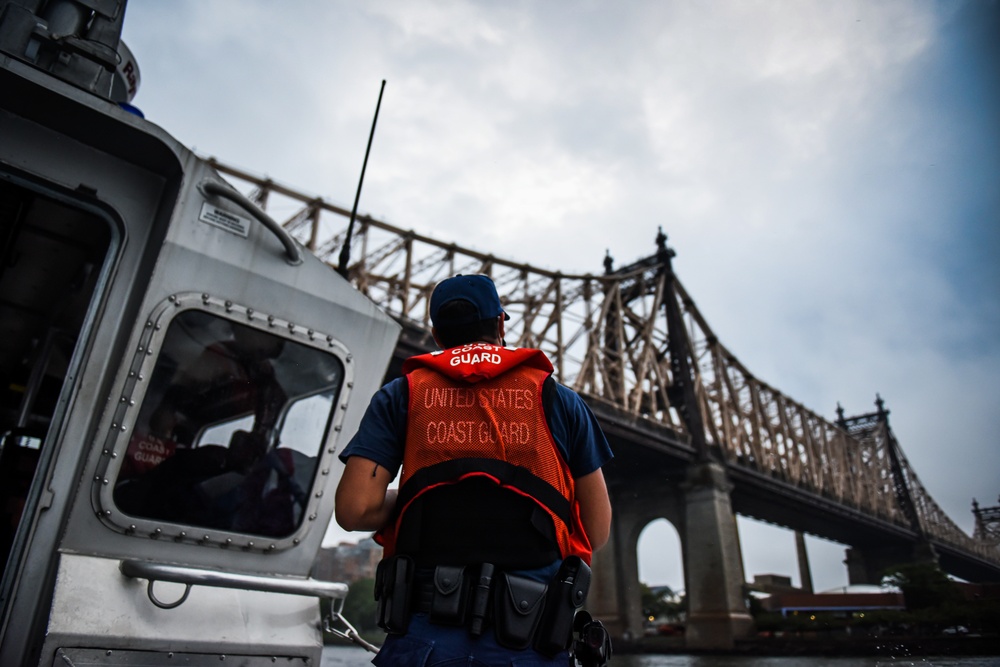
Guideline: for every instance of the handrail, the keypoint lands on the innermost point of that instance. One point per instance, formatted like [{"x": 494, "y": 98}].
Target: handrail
[
  {"x": 209, "y": 187},
  {"x": 190, "y": 576}
]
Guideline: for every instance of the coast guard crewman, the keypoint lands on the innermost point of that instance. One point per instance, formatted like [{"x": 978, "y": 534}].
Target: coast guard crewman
[{"x": 501, "y": 500}]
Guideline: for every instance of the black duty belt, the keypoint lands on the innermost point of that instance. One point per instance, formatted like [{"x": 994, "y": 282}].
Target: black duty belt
[{"x": 522, "y": 611}]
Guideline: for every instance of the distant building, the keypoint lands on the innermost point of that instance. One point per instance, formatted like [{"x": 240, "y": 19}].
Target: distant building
[
  {"x": 773, "y": 584},
  {"x": 348, "y": 562},
  {"x": 776, "y": 593},
  {"x": 848, "y": 599}
]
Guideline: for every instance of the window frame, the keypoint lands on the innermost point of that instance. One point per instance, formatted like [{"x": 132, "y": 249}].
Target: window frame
[{"x": 130, "y": 397}]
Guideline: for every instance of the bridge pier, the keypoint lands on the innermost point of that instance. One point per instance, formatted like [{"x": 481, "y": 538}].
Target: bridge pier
[
  {"x": 700, "y": 510},
  {"x": 615, "y": 597},
  {"x": 614, "y": 592},
  {"x": 713, "y": 564}
]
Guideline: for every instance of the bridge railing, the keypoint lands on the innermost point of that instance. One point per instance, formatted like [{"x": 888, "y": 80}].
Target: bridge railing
[
  {"x": 759, "y": 427},
  {"x": 607, "y": 337},
  {"x": 938, "y": 525},
  {"x": 566, "y": 315}
]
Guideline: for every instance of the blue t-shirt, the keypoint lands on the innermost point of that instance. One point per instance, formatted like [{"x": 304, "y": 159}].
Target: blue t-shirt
[{"x": 382, "y": 433}]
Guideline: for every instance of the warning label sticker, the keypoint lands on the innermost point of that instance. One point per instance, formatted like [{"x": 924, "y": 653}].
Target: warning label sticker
[{"x": 216, "y": 217}]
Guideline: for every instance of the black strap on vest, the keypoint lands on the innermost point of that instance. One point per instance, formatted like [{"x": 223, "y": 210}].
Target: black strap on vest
[
  {"x": 475, "y": 520},
  {"x": 508, "y": 475}
]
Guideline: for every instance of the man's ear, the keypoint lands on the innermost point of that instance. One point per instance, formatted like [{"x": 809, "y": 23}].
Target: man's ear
[
  {"x": 501, "y": 330},
  {"x": 434, "y": 332}
]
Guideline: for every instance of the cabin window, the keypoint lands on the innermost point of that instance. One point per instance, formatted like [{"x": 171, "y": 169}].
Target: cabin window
[{"x": 230, "y": 429}]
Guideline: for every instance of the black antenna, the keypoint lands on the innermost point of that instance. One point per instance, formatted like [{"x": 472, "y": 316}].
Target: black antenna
[{"x": 345, "y": 251}]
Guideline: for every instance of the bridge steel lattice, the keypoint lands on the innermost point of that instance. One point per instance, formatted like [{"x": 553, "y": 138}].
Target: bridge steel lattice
[{"x": 608, "y": 338}]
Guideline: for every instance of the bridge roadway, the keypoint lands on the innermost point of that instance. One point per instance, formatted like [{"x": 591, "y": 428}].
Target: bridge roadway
[{"x": 652, "y": 460}]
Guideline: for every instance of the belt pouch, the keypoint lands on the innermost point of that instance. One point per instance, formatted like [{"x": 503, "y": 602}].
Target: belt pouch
[
  {"x": 566, "y": 595},
  {"x": 519, "y": 604},
  {"x": 450, "y": 595},
  {"x": 393, "y": 588}
]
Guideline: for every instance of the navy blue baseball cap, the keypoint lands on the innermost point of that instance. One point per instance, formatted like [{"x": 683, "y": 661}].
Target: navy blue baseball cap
[{"x": 478, "y": 290}]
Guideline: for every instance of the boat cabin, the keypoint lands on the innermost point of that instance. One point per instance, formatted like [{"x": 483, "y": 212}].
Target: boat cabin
[{"x": 177, "y": 375}]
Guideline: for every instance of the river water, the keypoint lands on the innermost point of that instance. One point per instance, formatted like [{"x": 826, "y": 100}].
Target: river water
[{"x": 348, "y": 656}]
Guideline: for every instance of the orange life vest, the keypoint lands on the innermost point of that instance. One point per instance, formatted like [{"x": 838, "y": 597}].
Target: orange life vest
[{"x": 475, "y": 413}]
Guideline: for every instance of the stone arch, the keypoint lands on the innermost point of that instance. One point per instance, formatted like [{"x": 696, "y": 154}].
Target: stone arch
[
  {"x": 660, "y": 554},
  {"x": 615, "y": 596},
  {"x": 701, "y": 511}
]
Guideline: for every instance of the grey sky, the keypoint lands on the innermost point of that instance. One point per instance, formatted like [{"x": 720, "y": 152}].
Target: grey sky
[{"x": 828, "y": 173}]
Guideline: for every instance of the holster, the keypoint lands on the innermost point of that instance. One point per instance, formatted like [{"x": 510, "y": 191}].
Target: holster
[
  {"x": 393, "y": 592},
  {"x": 566, "y": 596},
  {"x": 519, "y": 605}
]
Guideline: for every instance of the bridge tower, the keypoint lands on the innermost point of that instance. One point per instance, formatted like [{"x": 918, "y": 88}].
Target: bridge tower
[
  {"x": 987, "y": 523},
  {"x": 866, "y": 563},
  {"x": 713, "y": 564},
  {"x": 700, "y": 508}
]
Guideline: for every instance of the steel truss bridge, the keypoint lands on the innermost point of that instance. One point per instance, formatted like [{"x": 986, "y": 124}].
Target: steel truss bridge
[{"x": 632, "y": 341}]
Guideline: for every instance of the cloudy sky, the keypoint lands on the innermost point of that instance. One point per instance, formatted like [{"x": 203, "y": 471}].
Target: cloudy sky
[{"x": 828, "y": 173}]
